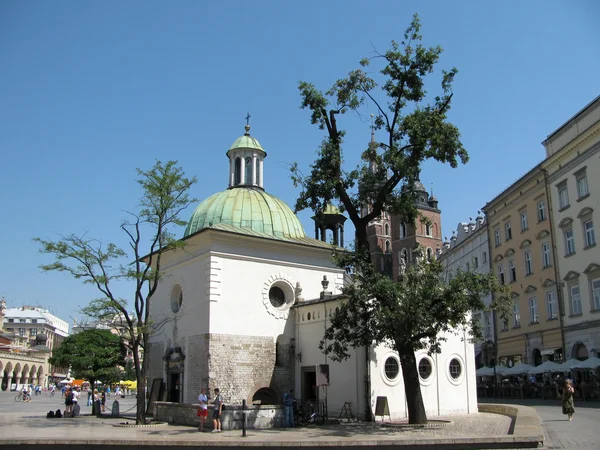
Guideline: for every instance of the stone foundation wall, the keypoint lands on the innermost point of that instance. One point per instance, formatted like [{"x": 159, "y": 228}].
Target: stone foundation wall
[
  {"x": 240, "y": 364},
  {"x": 196, "y": 374},
  {"x": 231, "y": 419}
]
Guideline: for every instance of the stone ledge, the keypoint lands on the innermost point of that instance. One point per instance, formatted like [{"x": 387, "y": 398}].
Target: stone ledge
[{"x": 525, "y": 421}]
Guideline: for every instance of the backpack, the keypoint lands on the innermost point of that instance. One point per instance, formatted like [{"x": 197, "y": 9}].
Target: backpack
[
  {"x": 50, "y": 415},
  {"x": 70, "y": 397},
  {"x": 58, "y": 413}
]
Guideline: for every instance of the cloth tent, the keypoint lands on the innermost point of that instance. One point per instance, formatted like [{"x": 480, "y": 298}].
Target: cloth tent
[
  {"x": 590, "y": 363},
  {"x": 519, "y": 369},
  {"x": 571, "y": 364},
  {"x": 548, "y": 366},
  {"x": 489, "y": 371}
]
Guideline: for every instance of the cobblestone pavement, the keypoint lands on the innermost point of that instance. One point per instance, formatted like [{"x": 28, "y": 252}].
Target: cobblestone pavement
[
  {"x": 582, "y": 433},
  {"x": 27, "y": 421}
]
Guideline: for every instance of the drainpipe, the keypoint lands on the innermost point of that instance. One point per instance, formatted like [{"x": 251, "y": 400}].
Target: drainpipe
[
  {"x": 368, "y": 415},
  {"x": 559, "y": 291},
  {"x": 466, "y": 373}
]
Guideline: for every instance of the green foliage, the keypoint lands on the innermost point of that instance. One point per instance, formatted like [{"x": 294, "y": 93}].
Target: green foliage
[
  {"x": 415, "y": 129},
  {"x": 165, "y": 195},
  {"x": 417, "y": 312},
  {"x": 128, "y": 371},
  {"x": 91, "y": 354}
]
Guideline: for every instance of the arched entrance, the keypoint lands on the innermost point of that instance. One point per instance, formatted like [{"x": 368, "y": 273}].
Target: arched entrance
[
  {"x": 536, "y": 357},
  {"x": 580, "y": 352},
  {"x": 265, "y": 396}
]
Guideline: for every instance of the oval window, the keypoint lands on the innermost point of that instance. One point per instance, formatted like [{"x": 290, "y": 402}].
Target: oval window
[
  {"x": 176, "y": 298},
  {"x": 455, "y": 368},
  {"x": 276, "y": 296},
  {"x": 425, "y": 369},
  {"x": 392, "y": 368}
]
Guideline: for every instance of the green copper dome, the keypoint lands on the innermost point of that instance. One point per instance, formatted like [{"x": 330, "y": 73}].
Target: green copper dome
[{"x": 247, "y": 208}]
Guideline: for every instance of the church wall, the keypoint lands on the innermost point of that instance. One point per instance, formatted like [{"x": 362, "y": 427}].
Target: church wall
[
  {"x": 196, "y": 367},
  {"x": 346, "y": 377},
  {"x": 441, "y": 393},
  {"x": 239, "y": 365}
]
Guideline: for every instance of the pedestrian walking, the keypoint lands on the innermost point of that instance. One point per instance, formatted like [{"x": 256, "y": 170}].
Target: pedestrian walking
[
  {"x": 568, "y": 403},
  {"x": 202, "y": 408},
  {"x": 217, "y": 411}
]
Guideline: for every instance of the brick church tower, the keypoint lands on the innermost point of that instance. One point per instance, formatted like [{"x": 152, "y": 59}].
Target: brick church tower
[{"x": 427, "y": 234}]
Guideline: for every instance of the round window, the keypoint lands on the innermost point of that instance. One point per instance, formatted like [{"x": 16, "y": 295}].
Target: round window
[
  {"x": 455, "y": 368},
  {"x": 176, "y": 298},
  {"x": 276, "y": 297},
  {"x": 391, "y": 368},
  {"x": 425, "y": 369}
]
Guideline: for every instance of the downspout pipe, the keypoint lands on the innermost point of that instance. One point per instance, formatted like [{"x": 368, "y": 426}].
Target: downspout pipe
[{"x": 559, "y": 284}]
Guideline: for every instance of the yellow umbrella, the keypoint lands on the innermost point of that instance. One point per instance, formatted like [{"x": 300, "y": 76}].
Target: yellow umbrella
[{"x": 129, "y": 384}]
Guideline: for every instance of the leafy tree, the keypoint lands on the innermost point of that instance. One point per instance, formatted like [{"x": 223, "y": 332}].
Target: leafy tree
[
  {"x": 93, "y": 355},
  {"x": 407, "y": 315},
  {"x": 129, "y": 371},
  {"x": 165, "y": 194}
]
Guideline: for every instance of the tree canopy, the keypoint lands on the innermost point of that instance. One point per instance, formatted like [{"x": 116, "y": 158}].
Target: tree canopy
[
  {"x": 417, "y": 310},
  {"x": 165, "y": 194},
  {"x": 92, "y": 355}
]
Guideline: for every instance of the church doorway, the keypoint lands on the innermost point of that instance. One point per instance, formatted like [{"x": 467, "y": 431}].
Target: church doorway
[
  {"x": 309, "y": 384},
  {"x": 174, "y": 388}
]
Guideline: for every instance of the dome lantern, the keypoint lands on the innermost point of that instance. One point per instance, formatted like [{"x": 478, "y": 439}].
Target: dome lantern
[{"x": 246, "y": 157}]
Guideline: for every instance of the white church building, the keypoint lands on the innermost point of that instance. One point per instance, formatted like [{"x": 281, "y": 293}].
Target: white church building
[{"x": 244, "y": 304}]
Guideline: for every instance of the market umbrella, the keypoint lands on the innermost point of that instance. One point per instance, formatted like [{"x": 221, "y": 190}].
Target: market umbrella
[
  {"x": 571, "y": 364},
  {"x": 548, "y": 366},
  {"x": 590, "y": 363},
  {"x": 518, "y": 369},
  {"x": 489, "y": 371}
]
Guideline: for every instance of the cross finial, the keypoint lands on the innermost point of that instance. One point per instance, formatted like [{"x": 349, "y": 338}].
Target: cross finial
[{"x": 247, "y": 127}]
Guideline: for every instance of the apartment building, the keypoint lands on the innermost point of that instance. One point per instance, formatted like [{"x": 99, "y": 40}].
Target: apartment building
[
  {"x": 572, "y": 168},
  {"x": 467, "y": 250},
  {"x": 521, "y": 254}
]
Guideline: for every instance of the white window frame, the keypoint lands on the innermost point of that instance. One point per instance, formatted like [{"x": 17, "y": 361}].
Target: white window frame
[
  {"x": 541, "y": 211},
  {"x": 501, "y": 278},
  {"x": 563, "y": 196},
  {"x": 589, "y": 233},
  {"x": 528, "y": 263},
  {"x": 484, "y": 258},
  {"x": 512, "y": 270},
  {"x": 546, "y": 256},
  {"x": 551, "y": 305},
  {"x": 497, "y": 237},
  {"x": 595, "y": 293},
  {"x": 402, "y": 230},
  {"x": 575, "y": 300},
  {"x": 533, "y": 310},
  {"x": 475, "y": 262},
  {"x": 428, "y": 229},
  {"x": 508, "y": 231},
  {"x": 524, "y": 222},
  {"x": 582, "y": 185},
  {"x": 569, "y": 241},
  {"x": 516, "y": 314}
]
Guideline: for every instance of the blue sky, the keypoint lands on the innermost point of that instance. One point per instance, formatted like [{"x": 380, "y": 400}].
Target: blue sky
[{"x": 91, "y": 90}]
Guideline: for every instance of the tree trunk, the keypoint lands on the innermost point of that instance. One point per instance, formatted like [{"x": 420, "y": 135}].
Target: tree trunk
[
  {"x": 140, "y": 413},
  {"x": 412, "y": 386}
]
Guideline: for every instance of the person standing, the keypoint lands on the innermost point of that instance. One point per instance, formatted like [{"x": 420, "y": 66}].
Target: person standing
[
  {"x": 68, "y": 403},
  {"x": 288, "y": 409},
  {"x": 217, "y": 410},
  {"x": 202, "y": 409},
  {"x": 568, "y": 403}
]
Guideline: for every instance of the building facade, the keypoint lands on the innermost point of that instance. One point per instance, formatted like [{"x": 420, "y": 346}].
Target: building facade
[
  {"x": 244, "y": 305},
  {"x": 467, "y": 250},
  {"x": 34, "y": 333},
  {"x": 572, "y": 167},
  {"x": 521, "y": 255}
]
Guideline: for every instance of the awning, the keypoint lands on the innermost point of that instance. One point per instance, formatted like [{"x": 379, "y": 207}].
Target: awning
[{"x": 549, "y": 351}]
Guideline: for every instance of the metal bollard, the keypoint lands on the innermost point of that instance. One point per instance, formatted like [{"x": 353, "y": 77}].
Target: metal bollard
[{"x": 243, "y": 418}]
